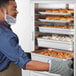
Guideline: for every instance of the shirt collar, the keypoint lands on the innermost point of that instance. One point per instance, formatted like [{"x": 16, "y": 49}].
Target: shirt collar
[{"x": 8, "y": 25}]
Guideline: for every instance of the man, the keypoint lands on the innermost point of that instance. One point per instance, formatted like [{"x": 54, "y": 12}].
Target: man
[
  {"x": 9, "y": 48},
  {"x": 10, "y": 51}
]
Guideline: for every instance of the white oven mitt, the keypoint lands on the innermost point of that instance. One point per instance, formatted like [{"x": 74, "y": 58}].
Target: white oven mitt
[
  {"x": 60, "y": 67},
  {"x": 69, "y": 63}
]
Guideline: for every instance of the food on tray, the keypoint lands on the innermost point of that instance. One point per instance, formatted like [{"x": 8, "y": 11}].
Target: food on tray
[
  {"x": 58, "y": 37},
  {"x": 52, "y": 18},
  {"x": 68, "y": 18},
  {"x": 47, "y": 37},
  {"x": 70, "y": 27},
  {"x": 60, "y": 26},
  {"x": 70, "y": 11},
  {"x": 59, "y": 54},
  {"x": 48, "y": 26},
  {"x": 64, "y": 18},
  {"x": 60, "y": 10},
  {"x": 52, "y": 10},
  {"x": 48, "y": 10},
  {"x": 49, "y": 18}
]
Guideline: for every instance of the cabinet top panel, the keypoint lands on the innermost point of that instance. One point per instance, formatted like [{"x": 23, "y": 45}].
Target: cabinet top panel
[{"x": 54, "y": 1}]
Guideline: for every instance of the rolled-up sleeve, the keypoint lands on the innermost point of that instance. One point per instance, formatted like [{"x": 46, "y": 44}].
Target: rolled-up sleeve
[{"x": 9, "y": 46}]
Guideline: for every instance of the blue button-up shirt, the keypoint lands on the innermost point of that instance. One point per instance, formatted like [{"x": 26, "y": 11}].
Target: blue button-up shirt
[{"x": 10, "y": 49}]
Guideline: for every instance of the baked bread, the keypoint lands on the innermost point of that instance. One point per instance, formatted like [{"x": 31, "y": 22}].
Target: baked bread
[
  {"x": 57, "y": 26},
  {"x": 55, "y": 10},
  {"x": 59, "y": 54},
  {"x": 48, "y": 10},
  {"x": 70, "y": 27},
  {"x": 62, "y": 11},
  {"x": 70, "y": 11},
  {"x": 49, "y": 18},
  {"x": 65, "y": 18},
  {"x": 48, "y": 26},
  {"x": 52, "y": 10},
  {"x": 69, "y": 18}
]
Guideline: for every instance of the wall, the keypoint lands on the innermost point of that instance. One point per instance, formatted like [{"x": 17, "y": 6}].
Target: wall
[{"x": 23, "y": 28}]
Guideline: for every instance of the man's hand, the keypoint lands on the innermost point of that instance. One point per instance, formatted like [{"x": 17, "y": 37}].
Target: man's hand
[{"x": 37, "y": 66}]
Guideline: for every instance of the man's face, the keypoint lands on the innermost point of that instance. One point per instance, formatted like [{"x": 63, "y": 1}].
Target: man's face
[{"x": 12, "y": 9}]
